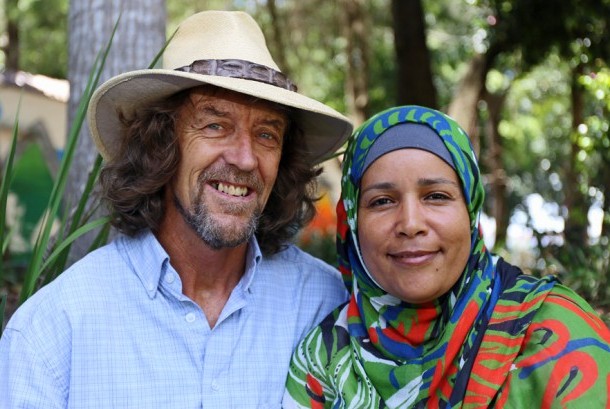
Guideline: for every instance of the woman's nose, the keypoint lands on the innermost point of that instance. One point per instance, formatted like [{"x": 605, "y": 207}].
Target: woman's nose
[{"x": 411, "y": 221}]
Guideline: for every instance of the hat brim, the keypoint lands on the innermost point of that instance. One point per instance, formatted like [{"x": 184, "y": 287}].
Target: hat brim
[{"x": 324, "y": 128}]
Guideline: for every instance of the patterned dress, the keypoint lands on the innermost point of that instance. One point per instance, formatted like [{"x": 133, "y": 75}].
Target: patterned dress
[{"x": 498, "y": 338}]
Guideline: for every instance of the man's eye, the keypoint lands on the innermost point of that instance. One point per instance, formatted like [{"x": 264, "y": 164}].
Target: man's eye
[{"x": 270, "y": 139}]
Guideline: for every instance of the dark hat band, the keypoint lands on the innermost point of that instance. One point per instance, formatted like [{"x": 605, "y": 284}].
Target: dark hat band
[{"x": 240, "y": 69}]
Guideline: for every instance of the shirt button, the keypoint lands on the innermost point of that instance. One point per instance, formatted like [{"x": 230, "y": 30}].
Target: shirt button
[
  {"x": 169, "y": 278},
  {"x": 190, "y": 317},
  {"x": 215, "y": 386}
]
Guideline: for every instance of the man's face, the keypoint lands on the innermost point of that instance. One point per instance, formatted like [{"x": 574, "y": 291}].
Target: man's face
[{"x": 230, "y": 150}]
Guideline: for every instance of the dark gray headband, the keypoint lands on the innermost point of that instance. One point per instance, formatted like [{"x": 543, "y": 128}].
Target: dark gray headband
[{"x": 408, "y": 135}]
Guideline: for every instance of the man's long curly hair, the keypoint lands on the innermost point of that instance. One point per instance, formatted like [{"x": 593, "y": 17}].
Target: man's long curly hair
[{"x": 133, "y": 182}]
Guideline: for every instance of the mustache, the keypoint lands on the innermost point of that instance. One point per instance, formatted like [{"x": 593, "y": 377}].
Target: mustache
[{"x": 232, "y": 175}]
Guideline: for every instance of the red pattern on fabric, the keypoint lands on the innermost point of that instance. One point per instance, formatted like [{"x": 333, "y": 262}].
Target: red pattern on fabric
[
  {"x": 504, "y": 390},
  {"x": 421, "y": 324},
  {"x": 593, "y": 320},
  {"x": 478, "y": 395},
  {"x": 342, "y": 225},
  {"x": 516, "y": 309},
  {"x": 440, "y": 384},
  {"x": 352, "y": 308},
  {"x": 500, "y": 350},
  {"x": 562, "y": 336},
  {"x": 587, "y": 367},
  {"x": 316, "y": 389},
  {"x": 345, "y": 272}
]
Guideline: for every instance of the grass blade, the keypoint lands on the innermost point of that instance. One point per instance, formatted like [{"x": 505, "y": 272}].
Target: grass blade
[
  {"x": 5, "y": 183},
  {"x": 34, "y": 268},
  {"x": 3, "y": 298},
  {"x": 70, "y": 239}
]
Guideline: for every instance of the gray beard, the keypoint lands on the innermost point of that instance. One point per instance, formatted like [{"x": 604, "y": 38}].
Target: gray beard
[{"x": 198, "y": 218}]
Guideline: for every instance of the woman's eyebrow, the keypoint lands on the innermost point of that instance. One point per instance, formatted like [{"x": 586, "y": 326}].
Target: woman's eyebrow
[
  {"x": 437, "y": 181},
  {"x": 378, "y": 186}
]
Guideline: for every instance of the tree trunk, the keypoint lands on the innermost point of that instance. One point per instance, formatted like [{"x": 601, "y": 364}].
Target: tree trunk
[
  {"x": 493, "y": 160},
  {"x": 356, "y": 81},
  {"x": 575, "y": 200},
  {"x": 139, "y": 37},
  {"x": 11, "y": 50},
  {"x": 606, "y": 205},
  {"x": 464, "y": 105},
  {"x": 277, "y": 38},
  {"x": 414, "y": 80}
]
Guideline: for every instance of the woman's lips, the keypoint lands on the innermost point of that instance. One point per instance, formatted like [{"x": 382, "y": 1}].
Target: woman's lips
[{"x": 414, "y": 257}]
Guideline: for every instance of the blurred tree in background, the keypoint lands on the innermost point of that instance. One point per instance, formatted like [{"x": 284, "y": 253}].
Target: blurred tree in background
[{"x": 528, "y": 79}]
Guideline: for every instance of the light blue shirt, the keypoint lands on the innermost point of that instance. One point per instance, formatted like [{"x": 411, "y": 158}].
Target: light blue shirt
[{"x": 115, "y": 331}]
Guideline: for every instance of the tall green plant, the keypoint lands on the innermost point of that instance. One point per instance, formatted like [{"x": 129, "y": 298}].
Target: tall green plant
[
  {"x": 72, "y": 226},
  {"x": 5, "y": 235},
  {"x": 49, "y": 258},
  {"x": 4, "y": 189}
]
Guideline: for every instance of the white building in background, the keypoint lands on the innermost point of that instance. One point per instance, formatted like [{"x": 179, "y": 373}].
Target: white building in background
[{"x": 40, "y": 103}]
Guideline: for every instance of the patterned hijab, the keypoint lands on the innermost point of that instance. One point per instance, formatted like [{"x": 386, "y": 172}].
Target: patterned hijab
[{"x": 415, "y": 355}]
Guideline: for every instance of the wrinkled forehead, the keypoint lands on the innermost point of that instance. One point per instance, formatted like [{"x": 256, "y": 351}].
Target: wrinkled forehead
[{"x": 207, "y": 94}]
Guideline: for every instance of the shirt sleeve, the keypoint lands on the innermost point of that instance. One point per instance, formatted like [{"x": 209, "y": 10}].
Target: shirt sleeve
[
  {"x": 25, "y": 380},
  {"x": 565, "y": 360}
]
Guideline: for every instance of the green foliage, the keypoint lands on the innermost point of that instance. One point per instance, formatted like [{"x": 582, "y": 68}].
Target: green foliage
[
  {"x": 32, "y": 184},
  {"x": 43, "y": 28},
  {"x": 49, "y": 255},
  {"x": 7, "y": 176},
  {"x": 585, "y": 269},
  {"x": 534, "y": 44},
  {"x": 321, "y": 246}
]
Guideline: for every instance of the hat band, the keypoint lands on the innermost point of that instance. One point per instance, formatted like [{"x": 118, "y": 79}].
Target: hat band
[{"x": 240, "y": 69}]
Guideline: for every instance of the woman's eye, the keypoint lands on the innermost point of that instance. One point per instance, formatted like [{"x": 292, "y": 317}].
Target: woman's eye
[
  {"x": 438, "y": 196},
  {"x": 379, "y": 202}
]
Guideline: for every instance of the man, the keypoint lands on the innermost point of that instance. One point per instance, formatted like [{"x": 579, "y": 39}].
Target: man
[{"x": 209, "y": 171}]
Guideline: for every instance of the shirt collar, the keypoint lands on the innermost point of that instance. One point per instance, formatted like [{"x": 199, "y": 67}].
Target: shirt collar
[
  {"x": 149, "y": 260},
  {"x": 253, "y": 259}
]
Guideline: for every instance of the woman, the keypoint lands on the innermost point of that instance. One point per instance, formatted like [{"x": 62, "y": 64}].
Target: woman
[{"x": 434, "y": 320}]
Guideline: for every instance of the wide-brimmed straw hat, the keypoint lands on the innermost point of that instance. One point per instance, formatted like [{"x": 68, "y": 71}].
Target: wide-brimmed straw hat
[{"x": 222, "y": 48}]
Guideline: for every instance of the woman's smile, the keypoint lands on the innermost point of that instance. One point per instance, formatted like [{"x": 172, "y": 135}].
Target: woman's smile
[{"x": 414, "y": 258}]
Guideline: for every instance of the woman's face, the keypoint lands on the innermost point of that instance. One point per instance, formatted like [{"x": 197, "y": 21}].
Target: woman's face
[{"x": 413, "y": 225}]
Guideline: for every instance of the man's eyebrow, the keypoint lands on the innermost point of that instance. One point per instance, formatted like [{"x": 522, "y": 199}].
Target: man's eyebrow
[
  {"x": 276, "y": 123},
  {"x": 211, "y": 110}
]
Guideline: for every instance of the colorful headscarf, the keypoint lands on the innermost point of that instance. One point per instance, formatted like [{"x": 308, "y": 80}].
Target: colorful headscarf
[
  {"x": 380, "y": 351},
  {"x": 426, "y": 345}
]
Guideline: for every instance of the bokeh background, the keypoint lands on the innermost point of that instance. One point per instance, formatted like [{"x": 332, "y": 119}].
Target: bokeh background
[{"x": 528, "y": 79}]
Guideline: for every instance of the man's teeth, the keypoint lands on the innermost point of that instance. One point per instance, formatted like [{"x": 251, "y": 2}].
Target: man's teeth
[{"x": 232, "y": 190}]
